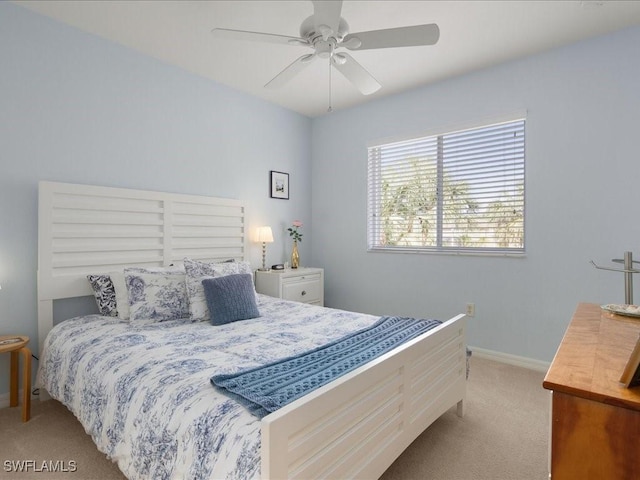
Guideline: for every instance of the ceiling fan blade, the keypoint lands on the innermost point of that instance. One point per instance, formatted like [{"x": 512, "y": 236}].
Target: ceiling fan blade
[
  {"x": 257, "y": 37},
  {"x": 355, "y": 73},
  {"x": 291, "y": 71},
  {"x": 327, "y": 14},
  {"x": 393, "y": 37}
]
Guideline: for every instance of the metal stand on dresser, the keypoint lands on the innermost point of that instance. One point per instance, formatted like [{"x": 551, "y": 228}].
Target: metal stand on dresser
[{"x": 628, "y": 271}]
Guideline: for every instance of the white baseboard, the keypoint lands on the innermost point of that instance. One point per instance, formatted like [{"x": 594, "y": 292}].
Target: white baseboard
[{"x": 507, "y": 358}]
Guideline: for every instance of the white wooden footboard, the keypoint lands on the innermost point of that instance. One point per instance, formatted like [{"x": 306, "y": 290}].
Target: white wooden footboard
[{"x": 356, "y": 426}]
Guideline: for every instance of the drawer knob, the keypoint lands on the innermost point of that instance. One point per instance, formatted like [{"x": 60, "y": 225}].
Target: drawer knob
[{"x": 304, "y": 292}]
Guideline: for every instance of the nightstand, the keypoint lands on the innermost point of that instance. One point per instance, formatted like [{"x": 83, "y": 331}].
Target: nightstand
[
  {"x": 304, "y": 285},
  {"x": 17, "y": 345}
]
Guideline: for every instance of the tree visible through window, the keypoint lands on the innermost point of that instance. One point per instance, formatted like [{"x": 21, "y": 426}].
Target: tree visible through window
[{"x": 460, "y": 191}]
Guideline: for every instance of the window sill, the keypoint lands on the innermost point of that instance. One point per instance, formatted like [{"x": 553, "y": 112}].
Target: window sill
[{"x": 452, "y": 252}]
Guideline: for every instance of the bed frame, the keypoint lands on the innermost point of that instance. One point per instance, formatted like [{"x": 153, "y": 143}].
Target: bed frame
[{"x": 353, "y": 427}]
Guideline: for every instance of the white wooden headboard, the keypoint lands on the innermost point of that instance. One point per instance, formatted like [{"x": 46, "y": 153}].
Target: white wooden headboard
[{"x": 85, "y": 229}]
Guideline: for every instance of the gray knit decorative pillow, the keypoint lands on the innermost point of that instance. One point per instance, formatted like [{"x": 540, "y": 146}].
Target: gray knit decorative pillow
[{"x": 230, "y": 298}]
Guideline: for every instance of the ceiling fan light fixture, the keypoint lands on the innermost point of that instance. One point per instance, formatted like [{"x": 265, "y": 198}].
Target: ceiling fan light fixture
[{"x": 324, "y": 48}]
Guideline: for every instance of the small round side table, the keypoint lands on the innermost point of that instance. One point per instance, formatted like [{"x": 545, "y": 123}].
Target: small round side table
[{"x": 17, "y": 348}]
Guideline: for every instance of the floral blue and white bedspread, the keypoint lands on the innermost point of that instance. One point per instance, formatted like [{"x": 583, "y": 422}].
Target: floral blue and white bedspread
[{"x": 143, "y": 394}]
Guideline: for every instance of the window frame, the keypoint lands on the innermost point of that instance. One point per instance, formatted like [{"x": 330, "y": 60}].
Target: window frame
[{"x": 373, "y": 205}]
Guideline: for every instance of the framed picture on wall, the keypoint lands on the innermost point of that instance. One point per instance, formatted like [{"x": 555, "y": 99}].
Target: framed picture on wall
[{"x": 279, "y": 185}]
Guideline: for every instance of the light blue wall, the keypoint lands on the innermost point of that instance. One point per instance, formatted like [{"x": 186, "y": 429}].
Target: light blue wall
[
  {"x": 76, "y": 108},
  {"x": 582, "y": 194}
]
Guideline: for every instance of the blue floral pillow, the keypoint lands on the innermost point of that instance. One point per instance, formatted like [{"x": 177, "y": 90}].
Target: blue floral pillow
[
  {"x": 230, "y": 298},
  {"x": 157, "y": 296}
]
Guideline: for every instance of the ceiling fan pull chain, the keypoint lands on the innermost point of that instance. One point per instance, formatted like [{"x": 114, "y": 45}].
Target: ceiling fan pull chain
[{"x": 330, "y": 109}]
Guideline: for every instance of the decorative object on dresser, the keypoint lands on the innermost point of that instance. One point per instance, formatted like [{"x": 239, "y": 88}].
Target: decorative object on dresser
[
  {"x": 300, "y": 285},
  {"x": 595, "y": 419},
  {"x": 16, "y": 345},
  {"x": 628, "y": 271},
  {"x": 279, "y": 185},
  {"x": 264, "y": 235},
  {"x": 631, "y": 375},
  {"x": 297, "y": 237}
]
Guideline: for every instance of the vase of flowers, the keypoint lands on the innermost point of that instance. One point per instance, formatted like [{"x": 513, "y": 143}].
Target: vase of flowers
[{"x": 297, "y": 237}]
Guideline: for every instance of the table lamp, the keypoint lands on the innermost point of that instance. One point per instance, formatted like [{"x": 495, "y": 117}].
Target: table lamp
[{"x": 264, "y": 235}]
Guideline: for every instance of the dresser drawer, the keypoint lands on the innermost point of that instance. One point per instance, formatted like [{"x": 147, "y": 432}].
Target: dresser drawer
[{"x": 305, "y": 289}]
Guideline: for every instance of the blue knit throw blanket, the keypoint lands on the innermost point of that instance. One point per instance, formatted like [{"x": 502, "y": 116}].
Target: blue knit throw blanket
[{"x": 269, "y": 387}]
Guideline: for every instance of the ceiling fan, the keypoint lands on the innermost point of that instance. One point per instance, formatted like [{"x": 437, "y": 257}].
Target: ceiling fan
[{"x": 325, "y": 32}]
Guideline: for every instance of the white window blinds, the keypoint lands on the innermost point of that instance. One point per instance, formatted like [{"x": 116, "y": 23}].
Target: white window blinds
[{"x": 460, "y": 191}]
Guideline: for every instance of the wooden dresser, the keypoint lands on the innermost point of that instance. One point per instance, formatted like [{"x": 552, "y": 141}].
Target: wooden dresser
[{"x": 595, "y": 421}]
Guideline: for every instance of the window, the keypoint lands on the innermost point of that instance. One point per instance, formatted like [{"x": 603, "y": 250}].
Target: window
[{"x": 456, "y": 192}]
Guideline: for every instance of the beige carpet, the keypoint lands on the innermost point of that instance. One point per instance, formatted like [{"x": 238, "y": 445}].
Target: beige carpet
[{"x": 503, "y": 435}]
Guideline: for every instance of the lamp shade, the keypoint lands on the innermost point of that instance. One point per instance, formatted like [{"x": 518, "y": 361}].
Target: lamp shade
[{"x": 264, "y": 234}]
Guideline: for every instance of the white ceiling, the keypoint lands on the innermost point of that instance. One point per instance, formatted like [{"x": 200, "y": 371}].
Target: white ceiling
[{"x": 473, "y": 35}]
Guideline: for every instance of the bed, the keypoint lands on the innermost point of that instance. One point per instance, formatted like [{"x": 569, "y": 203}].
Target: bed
[{"x": 165, "y": 420}]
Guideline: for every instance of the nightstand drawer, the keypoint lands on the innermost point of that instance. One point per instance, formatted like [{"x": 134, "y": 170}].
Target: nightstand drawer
[
  {"x": 304, "y": 284},
  {"x": 304, "y": 289}
]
